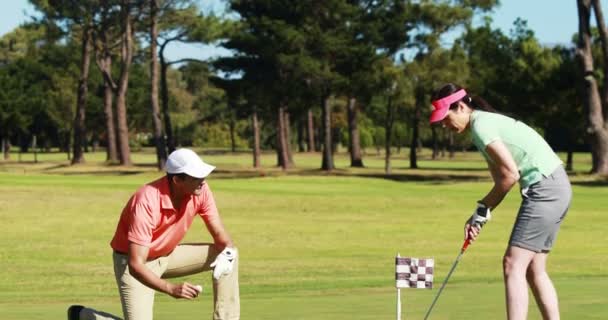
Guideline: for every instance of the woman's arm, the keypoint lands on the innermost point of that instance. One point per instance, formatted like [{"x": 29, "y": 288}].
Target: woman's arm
[{"x": 504, "y": 173}]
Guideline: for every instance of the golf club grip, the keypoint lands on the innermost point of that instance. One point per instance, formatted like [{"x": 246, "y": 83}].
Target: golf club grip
[
  {"x": 467, "y": 242},
  {"x": 465, "y": 245}
]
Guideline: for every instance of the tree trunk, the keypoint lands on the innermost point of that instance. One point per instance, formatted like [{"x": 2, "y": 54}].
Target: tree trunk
[
  {"x": 164, "y": 96},
  {"x": 159, "y": 139},
  {"x": 328, "y": 160},
  {"x": 603, "y": 33},
  {"x": 435, "y": 142},
  {"x": 301, "y": 144},
  {"x": 232, "y": 127},
  {"x": 353, "y": 134},
  {"x": 283, "y": 158},
  {"x": 310, "y": 131},
  {"x": 287, "y": 134},
  {"x": 35, "y": 148},
  {"x": 68, "y": 142},
  {"x": 104, "y": 63},
  {"x": 121, "y": 103},
  {"x": 569, "y": 161},
  {"x": 388, "y": 129},
  {"x": 81, "y": 101},
  {"x": 451, "y": 144},
  {"x": 6, "y": 147},
  {"x": 108, "y": 99},
  {"x": 256, "y": 140},
  {"x": 592, "y": 100},
  {"x": 415, "y": 123}
]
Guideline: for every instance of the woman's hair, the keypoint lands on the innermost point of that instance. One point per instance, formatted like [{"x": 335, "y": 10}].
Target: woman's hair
[{"x": 476, "y": 103}]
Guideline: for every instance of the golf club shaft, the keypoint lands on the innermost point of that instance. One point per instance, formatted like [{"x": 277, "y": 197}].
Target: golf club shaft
[{"x": 464, "y": 247}]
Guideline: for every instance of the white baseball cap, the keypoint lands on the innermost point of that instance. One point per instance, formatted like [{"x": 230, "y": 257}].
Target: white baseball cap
[{"x": 188, "y": 162}]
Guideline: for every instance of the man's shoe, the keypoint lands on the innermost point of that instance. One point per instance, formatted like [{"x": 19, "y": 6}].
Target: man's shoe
[{"x": 74, "y": 312}]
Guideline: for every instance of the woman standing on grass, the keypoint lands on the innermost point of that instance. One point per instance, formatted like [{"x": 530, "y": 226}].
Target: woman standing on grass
[{"x": 514, "y": 152}]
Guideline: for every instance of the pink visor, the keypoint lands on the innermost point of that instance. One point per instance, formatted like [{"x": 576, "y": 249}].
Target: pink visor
[{"x": 443, "y": 105}]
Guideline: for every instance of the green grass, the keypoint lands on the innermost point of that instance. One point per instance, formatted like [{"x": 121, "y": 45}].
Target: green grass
[{"x": 313, "y": 246}]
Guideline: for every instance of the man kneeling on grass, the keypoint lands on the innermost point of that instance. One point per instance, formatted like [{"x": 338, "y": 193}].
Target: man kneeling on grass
[{"x": 147, "y": 250}]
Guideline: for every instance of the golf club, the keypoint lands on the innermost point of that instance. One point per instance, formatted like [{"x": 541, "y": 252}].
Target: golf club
[{"x": 464, "y": 248}]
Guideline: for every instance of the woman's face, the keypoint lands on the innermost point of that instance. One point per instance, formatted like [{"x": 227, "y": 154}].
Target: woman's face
[{"x": 457, "y": 119}]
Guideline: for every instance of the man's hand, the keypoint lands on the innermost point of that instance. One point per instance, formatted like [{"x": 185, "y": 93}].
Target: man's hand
[
  {"x": 473, "y": 226},
  {"x": 224, "y": 262},
  {"x": 183, "y": 290}
]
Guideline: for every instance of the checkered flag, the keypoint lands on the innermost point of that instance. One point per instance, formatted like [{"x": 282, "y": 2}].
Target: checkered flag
[{"x": 414, "y": 273}]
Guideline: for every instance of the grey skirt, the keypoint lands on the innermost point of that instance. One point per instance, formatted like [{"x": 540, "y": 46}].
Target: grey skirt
[{"x": 543, "y": 208}]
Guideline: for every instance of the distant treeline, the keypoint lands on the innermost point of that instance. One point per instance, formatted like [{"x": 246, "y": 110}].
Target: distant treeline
[{"x": 302, "y": 76}]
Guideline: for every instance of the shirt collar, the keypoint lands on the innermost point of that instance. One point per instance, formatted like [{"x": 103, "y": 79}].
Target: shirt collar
[{"x": 165, "y": 194}]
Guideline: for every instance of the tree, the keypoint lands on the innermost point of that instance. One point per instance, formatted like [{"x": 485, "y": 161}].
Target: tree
[
  {"x": 594, "y": 101},
  {"x": 435, "y": 19},
  {"x": 264, "y": 43},
  {"x": 377, "y": 31},
  {"x": 159, "y": 139},
  {"x": 105, "y": 30},
  {"x": 180, "y": 21},
  {"x": 39, "y": 74},
  {"x": 563, "y": 92},
  {"x": 78, "y": 15},
  {"x": 327, "y": 34},
  {"x": 83, "y": 82}
]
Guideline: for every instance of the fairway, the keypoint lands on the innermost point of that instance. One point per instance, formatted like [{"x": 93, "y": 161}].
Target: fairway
[{"x": 312, "y": 246}]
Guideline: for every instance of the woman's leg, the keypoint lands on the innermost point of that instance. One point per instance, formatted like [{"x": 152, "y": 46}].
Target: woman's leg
[
  {"x": 515, "y": 265},
  {"x": 542, "y": 287}
]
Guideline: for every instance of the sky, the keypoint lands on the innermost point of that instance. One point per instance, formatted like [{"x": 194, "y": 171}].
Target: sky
[{"x": 553, "y": 22}]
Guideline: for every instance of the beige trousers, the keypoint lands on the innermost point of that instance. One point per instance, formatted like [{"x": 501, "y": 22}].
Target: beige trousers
[{"x": 138, "y": 300}]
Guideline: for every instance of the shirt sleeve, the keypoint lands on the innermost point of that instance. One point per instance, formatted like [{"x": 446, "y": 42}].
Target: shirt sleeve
[
  {"x": 484, "y": 133},
  {"x": 206, "y": 205},
  {"x": 142, "y": 222}
]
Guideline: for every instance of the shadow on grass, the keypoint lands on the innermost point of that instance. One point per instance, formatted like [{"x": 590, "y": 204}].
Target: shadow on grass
[
  {"x": 113, "y": 169},
  {"x": 101, "y": 173},
  {"x": 594, "y": 183},
  {"x": 458, "y": 169},
  {"x": 413, "y": 177},
  {"x": 428, "y": 175},
  {"x": 401, "y": 174}
]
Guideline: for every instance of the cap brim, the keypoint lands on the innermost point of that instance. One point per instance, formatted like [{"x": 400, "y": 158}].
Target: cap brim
[
  {"x": 438, "y": 115},
  {"x": 201, "y": 171}
]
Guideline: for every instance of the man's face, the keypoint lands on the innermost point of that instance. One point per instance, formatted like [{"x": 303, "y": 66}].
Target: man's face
[{"x": 191, "y": 185}]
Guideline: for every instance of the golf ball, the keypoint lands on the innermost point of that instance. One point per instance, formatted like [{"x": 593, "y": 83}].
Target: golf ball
[{"x": 199, "y": 288}]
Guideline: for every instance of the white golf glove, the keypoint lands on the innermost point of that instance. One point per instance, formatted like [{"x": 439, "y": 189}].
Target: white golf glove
[
  {"x": 480, "y": 216},
  {"x": 223, "y": 262}
]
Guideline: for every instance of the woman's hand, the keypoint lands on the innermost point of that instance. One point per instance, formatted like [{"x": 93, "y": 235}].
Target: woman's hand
[{"x": 478, "y": 219}]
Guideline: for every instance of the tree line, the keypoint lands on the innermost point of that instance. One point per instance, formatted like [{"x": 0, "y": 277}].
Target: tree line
[{"x": 302, "y": 76}]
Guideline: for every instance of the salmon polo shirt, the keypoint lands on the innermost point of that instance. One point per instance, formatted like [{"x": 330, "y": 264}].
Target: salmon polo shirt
[{"x": 150, "y": 220}]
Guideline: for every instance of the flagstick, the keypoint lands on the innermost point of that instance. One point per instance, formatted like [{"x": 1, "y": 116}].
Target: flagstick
[
  {"x": 398, "y": 298},
  {"x": 398, "y": 304}
]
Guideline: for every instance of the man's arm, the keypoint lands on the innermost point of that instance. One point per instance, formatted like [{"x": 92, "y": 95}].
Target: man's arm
[
  {"x": 504, "y": 173},
  {"x": 221, "y": 238},
  {"x": 138, "y": 255}
]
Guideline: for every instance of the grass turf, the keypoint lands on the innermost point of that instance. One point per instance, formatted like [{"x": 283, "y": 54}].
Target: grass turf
[{"x": 312, "y": 246}]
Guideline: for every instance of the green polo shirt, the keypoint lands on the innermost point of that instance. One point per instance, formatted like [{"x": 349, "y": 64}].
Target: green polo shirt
[{"x": 533, "y": 156}]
